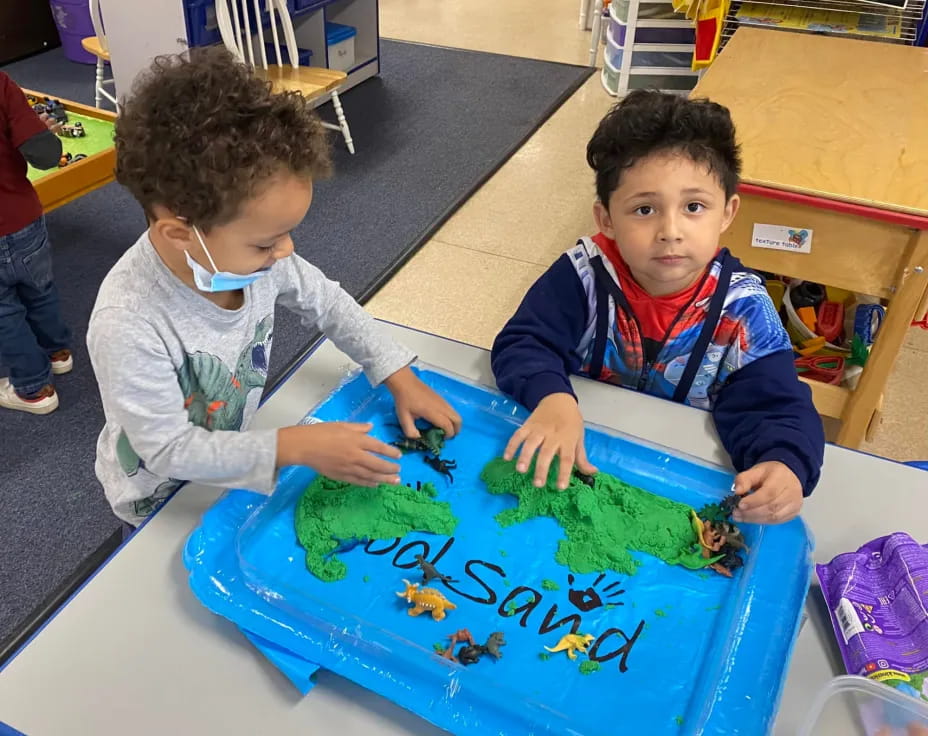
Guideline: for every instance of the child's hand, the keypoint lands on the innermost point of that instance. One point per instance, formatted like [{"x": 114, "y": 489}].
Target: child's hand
[
  {"x": 777, "y": 495},
  {"x": 554, "y": 428},
  {"x": 339, "y": 450},
  {"x": 53, "y": 125},
  {"x": 414, "y": 400}
]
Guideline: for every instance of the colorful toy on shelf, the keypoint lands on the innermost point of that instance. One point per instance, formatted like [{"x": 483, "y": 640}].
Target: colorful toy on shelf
[
  {"x": 73, "y": 130},
  {"x": 573, "y": 643},
  {"x": 824, "y": 368},
  {"x": 807, "y": 315},
  {"x": 830, "y": 320},
  {"x": 471, "y": 652},
  {"x": 430, "y": 573},
  {"x": 867, "y": 321},
  {"x": 709, "y": 20},
  {"x": 809, "y": 347},
  {"x": 426, "y": 600},
  {"x": 807, "y": 294}
]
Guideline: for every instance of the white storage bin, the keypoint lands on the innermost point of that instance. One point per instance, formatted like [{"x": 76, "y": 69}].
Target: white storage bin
[
  {"x": 339, "y": 40},
  {"x": 610, "y": 78},
  {"x": 650, "y": 30}
]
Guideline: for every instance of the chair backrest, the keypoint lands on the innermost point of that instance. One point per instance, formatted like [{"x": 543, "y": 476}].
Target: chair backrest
[
  {"x": 97, "y": 19},
  {"x": 237, "y": 18}
]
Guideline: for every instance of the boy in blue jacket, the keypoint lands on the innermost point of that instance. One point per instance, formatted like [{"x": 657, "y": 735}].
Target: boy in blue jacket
[{"x": 651, "y": 303}]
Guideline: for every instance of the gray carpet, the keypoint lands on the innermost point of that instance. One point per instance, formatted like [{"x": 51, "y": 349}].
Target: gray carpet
[{"x": 431, "y": 129}]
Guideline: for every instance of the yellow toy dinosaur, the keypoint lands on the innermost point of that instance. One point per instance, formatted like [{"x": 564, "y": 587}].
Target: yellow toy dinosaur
[
  {"x": 573, "y": 643},
  {"x": 426, "y": 599}
]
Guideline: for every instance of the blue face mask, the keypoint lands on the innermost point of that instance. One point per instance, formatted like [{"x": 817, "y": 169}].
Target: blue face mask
[{"x": 218, "y": 280}]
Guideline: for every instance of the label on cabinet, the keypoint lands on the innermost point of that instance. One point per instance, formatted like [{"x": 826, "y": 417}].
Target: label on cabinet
[{"x": 781, "y": 237}]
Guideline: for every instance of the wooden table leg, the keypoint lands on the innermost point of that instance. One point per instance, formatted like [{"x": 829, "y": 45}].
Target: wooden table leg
[{"x": 910, "y": 288}]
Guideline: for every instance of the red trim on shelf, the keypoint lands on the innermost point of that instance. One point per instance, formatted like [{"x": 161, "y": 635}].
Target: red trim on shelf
[{"x": 918, "y": 222}]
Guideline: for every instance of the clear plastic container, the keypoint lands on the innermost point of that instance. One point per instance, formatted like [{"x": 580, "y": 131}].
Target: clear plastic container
[{"x": 851, "y": 705}]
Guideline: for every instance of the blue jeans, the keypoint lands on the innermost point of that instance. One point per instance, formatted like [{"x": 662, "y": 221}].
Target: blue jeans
[{"x": 31, "y": 327}]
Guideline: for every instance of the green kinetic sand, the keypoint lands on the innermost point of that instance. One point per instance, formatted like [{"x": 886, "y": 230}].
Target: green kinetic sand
[
  {"x": 549, "y": 585},
  {"x": 588, "y": 667},
  {"x": 603, "y": 524},
  {"x": 330, "y": 512}
]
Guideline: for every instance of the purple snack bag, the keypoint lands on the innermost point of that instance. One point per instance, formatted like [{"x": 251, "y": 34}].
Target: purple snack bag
[{"x": 878, "y": 600}]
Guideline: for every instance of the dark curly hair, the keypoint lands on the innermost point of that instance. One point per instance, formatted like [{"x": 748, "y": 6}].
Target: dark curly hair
[
  {"x": 648, "y": 122},
  {"x": 201, "y": 134}
]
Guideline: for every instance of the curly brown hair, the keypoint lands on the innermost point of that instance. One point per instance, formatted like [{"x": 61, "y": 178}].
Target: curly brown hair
[
  {"x": 647, "y": 122},
  {"x": 201, "y": 134}
]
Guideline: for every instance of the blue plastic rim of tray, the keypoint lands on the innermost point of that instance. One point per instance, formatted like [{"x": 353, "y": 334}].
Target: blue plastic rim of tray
[{"x": 679, "y": 651}]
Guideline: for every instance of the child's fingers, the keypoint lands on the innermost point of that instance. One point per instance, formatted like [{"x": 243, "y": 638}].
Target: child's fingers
[
  {"x": 443, "y": 422},
  {"x": 543, "y": 463},
  {"x": 761, "y": 496},
  {"x": 775, "y": 512},
  {"x": 372, "y": 444},
  {"x": 518, "y": 437},
  {"x": 582, "y": 462},
  {"x": 456, "y": 421},
  {"x": 369, "y": 464},
  {"x": 369, "y": 480},
  {"x": 750, "y": 479},
  {"x": 565, "y": 469},
  {"x": 446, "y": 418},
  {"x": 529, "y": 447},
  {"x": 407, "y": 423}
]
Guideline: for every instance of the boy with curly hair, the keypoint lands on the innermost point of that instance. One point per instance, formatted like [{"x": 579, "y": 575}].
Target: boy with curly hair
[
  {"x": 652, "y": 303},
  {"x": 181, "y": 331}
]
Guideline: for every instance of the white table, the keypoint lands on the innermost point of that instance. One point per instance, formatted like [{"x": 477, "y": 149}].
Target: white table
[{"x": 134, "y": 651}]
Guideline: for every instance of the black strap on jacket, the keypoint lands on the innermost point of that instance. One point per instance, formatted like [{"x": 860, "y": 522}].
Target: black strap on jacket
[{"x": 606, "y": 286}]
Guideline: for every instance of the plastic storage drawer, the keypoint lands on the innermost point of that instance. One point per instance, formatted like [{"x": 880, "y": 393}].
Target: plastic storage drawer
[{"x": 340, "y": 42}]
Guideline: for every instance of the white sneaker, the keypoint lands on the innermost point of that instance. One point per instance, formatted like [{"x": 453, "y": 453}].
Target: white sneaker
[
  {"x": 62, "y": 362},
  {"x": 46, "y": 400}
]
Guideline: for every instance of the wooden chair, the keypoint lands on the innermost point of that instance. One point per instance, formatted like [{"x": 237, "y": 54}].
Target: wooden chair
[
  {"x": 235, "y": 18},
  {"x": 97, "y": 46}
]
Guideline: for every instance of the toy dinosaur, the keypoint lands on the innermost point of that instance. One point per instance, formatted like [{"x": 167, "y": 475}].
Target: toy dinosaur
[
  {"x": 494, "y": 642},
  {"x": 729, "y": 504},
  {"x": 720, "y": 542},
  {"x": 573, "y": 643},
  {"x": 429, "y": 440},
  {"x": 441, "y": 466},
  {"x": 426, "y": 600},
  {"x": 429, "y": 573},
  {"x": 584, "y": 478},
  {"x": 471, "y": 652}
]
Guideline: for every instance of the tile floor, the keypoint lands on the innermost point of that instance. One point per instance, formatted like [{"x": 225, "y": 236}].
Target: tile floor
[{"x": 478, "y": 266}]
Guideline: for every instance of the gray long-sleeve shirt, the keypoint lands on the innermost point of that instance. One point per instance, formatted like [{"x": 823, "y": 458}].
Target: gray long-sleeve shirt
[{"x": 180, "y": 377}]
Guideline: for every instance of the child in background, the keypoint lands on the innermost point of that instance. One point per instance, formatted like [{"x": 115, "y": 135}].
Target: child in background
[
  {"x": 651, "y": 303},
  {"x": 34, "y": 340},
  {"x": 181, "y": 332}
]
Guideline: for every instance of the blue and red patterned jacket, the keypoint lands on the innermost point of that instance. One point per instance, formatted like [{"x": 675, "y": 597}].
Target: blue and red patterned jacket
[{"x": 726, "y": 351}]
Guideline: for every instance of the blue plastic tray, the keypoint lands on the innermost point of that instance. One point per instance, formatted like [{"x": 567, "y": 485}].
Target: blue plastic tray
[{"x": 694, "y": 652}]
